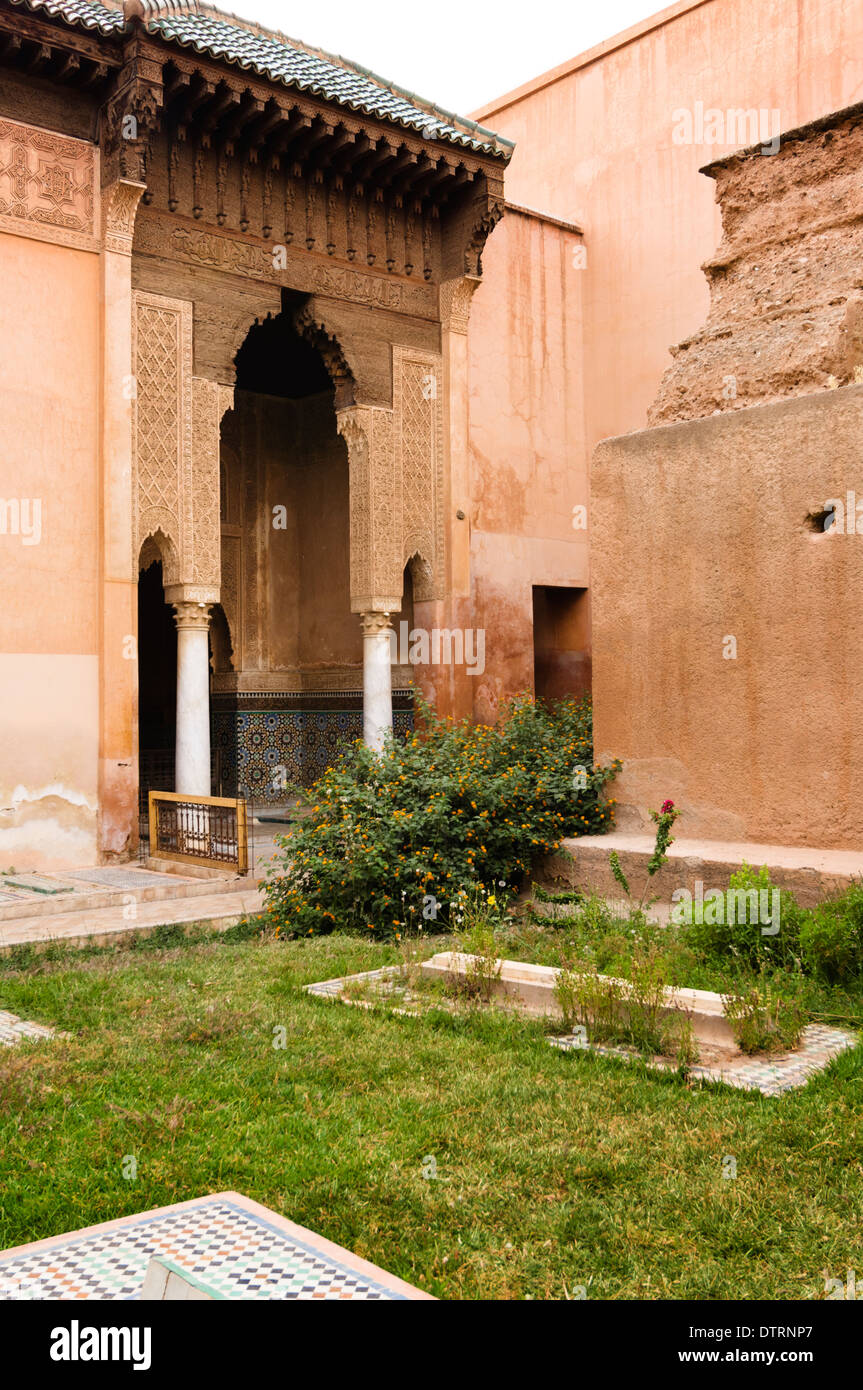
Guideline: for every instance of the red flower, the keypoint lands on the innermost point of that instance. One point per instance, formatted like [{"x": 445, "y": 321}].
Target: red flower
[{"x": 666, "y": 807}]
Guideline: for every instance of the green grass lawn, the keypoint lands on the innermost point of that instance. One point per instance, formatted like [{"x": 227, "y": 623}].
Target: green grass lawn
[{"x": 553, "y": 1170}]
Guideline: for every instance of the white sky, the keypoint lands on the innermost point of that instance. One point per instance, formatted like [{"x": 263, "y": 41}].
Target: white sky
[{"x": 457, "y": 54}]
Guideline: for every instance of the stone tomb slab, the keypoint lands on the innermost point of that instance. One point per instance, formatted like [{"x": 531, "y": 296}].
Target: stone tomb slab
[
  {"x": 235, "y": 1247},
  {"x": 13, "y": 1029},
  {"x": 771, "y": 1075}
]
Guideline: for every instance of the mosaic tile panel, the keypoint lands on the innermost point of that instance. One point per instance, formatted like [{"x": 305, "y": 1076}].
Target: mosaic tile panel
[
  {"x": 770, "y": 1075},
  {"x": 273, "y": 739},
  {"x": 236, "y": 1253}
]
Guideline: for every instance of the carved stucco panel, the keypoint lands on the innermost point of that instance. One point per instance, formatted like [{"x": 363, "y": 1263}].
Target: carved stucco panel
[
  {"x": 175, "y": 454},
  {"x": 375, "y": 509},
  {"x": 396, "y": 468},
  {"x": 48, "y": 186},
  {"x": 161, "y": 454},
  {"x": 418, "y": 426},
  {"x": 210, "y": 400}
]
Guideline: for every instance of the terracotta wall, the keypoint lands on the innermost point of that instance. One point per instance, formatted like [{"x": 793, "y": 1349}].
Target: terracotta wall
[
  {"x": 727, "y": 653},
  {"x": 49, "y": 589},
  {"x": 527, "y": 450}
]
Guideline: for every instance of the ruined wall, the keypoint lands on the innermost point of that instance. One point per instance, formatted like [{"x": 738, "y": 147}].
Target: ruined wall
[
  {"x": 49, "y": 522},
  {"x": 595, "y": 144},
  {"x": 786, "y": 284},
  {"x": 528, "y": 471},
  {"x": 726, "y": 647}
]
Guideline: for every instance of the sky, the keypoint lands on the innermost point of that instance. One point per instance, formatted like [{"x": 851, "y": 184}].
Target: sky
[{"x": 451, "y": 52}]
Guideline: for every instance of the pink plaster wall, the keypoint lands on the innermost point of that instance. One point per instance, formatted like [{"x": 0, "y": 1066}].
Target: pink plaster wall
[
  {"x": 527, "y": 451},
  {"x": 50, "y": 599}
]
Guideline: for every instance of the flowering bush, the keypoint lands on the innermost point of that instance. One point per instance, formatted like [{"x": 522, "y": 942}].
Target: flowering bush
[{"x": 391, "y": 838}]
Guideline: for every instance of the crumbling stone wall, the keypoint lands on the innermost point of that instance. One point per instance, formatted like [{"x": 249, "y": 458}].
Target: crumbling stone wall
[{"x": 786, "y": 283}]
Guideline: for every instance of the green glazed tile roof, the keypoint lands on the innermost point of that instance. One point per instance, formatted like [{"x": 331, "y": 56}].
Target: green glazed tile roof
[
  {"x": 86, "y": 12},
  {"x": 284, "y": 60}
]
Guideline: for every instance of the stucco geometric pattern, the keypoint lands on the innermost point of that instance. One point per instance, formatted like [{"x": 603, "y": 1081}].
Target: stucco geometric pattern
[
  {"x": 375, "y": 509},
  {"x": 47, "y": 185},
  {"x": 162, "y": 330},
  {"x": 209, "y": 402},
  {"x": 417, "y": 401},
  {"x": 176, "y": 446},
  {"x": 396, "y": 470}
]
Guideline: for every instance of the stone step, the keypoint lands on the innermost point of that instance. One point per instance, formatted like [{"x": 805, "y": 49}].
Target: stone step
[
  {"x": 78, "y": 894},
  {"x": 811, "y": 874},
  {"x": 108, "y": 924}
]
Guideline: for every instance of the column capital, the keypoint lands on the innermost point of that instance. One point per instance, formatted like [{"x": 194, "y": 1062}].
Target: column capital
[
  {"x": 455, "y": 300},
  {"x": 192, "y": 615},
  {"x": 119, "y": 206},
  {"x": 373, "y": 623}
]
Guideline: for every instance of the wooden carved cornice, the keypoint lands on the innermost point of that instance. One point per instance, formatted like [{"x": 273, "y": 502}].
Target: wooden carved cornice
[
  {"x": 56, "y": 53},
  {"x": 227, "y": 148},
  {"x": 131, "y": 115}
]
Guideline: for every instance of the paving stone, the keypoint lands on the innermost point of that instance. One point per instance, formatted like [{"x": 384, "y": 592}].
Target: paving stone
[{"x": 13, "y": 1029}]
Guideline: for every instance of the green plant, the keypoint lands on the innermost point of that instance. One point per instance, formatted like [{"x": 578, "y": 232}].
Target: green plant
[
  {"x": 679, "y": 1041},
  {"x": 664, "y": 820},
  {"x": 762, "y": 1021},
  {"x": 647, "y": 999},
  {"x": 594, "y": 1000},
  {"x": 479, "y": 915},
  {"x": 752, "y": 920},
  {"x": 831, "y": 937},
  {"x": 565, "y": 895},
  {"x": 390, "y": 838}
]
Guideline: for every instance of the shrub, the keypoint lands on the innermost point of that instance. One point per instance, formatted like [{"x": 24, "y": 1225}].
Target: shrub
[
  {"x": 831, "y": 937},
  {"x": 392, "y": 837},
  {"x": 716, "y": 933}
]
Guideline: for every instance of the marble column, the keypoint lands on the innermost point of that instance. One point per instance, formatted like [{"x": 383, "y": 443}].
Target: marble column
[
  {"x": 192, "y": 771},
  {"x": 377, "y": 679}
]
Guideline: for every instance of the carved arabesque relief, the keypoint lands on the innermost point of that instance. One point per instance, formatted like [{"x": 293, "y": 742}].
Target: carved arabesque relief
[
  {"x": 396, "y": 462},
  {"x": 47, "y": 185},
  {"x": 417, "y": 403},
  {"x": 176, "y": 447}
]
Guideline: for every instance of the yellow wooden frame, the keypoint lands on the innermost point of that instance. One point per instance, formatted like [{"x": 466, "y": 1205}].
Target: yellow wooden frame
[{"x": 239, "y": 804}]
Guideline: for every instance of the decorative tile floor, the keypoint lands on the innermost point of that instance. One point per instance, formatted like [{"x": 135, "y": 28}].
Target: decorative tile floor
[
  {"x": 13, "y": 1029},
  {"x": 770, "y": 1075},
  {"x": 236, "y": 1247}
]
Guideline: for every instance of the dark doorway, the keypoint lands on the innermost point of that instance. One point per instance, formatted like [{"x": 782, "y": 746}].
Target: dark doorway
[
  {"x": 561, "y": 642},
  {"x": 157, "y": 684}
]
